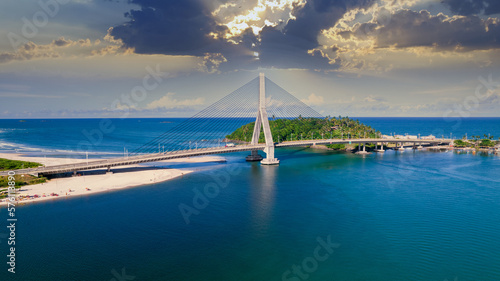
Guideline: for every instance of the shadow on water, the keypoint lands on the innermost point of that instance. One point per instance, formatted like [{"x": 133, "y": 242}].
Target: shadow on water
[{"x": 304, "y": 152}]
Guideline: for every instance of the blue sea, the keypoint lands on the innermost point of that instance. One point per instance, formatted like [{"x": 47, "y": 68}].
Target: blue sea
[{"x": 319, "y": 215}]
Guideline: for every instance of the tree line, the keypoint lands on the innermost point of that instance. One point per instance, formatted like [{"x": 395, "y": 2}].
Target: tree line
[{"x": 307, "y": 128}]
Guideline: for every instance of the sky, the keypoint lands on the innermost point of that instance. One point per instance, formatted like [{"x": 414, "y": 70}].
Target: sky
[{"x": 171, "y": 58}]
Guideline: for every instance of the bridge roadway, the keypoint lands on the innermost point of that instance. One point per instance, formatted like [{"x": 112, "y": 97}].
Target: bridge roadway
[
  {"x": 123, "y": 161},
  {"x": 357, "y": 141}
]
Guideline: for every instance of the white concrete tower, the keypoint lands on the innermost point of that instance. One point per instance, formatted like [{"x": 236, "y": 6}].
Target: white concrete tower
[{"x": 262, "y": 121}]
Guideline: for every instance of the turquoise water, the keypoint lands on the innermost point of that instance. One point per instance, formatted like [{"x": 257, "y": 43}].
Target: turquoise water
[
  {"x": 70, "y": 135},
  {"x": 397, "y": 216}
]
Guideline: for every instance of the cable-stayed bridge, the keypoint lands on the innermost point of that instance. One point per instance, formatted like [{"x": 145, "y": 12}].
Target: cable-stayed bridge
[{"x": 204, "y": 134}]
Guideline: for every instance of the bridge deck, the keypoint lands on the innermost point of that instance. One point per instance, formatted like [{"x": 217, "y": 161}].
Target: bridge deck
[
  {"x": 108, "y": 163},
  {"x": 356, "y": 141}
]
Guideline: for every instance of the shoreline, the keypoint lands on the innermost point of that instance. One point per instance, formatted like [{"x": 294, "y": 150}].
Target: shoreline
[{"x": 97, "y": 181}]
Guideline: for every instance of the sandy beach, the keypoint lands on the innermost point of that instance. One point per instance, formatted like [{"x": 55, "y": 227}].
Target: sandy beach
[{"x": 98, "y": 180}]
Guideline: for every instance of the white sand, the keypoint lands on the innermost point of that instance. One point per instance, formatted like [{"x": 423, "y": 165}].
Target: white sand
[
  {"x": 126, "y": 176},
  {"x": 42, "y": 160}
]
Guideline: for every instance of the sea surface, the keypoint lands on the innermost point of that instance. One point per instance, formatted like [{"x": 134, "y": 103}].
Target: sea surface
[{"x": 319, "y": 215}]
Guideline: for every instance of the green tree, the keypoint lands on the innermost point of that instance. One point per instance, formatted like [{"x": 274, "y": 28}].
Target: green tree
[{"x": 282, "y": 129}]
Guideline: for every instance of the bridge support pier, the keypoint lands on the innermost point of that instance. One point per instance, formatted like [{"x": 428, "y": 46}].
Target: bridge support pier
[
  {"x": 254, "y": 156},
  {"x": 362, "y": 151},
  {"x": 401, "y": 147},
  {"x": 270, "y": 160},
  {"x": 263, "y": 121},
  {"x": 381, "y": 150}
]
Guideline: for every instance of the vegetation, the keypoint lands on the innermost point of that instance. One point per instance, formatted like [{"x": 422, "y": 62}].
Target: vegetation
[
  {"x": 370, "y": 145},
  {"x": 7, "y": 165},
  {"x": 20, "y": 180},
  {"x": 477, "y": 141},
  {"x": 461, "y": 143},
  {"x": 485, "y": 137},
  {"x": 308, "y": 128},
  {"x": 486, "y": 143},
  {"x": 336, "y": 146}
]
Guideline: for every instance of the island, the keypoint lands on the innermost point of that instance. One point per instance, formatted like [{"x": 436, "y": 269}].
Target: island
[{"x": 308, "y": 128}]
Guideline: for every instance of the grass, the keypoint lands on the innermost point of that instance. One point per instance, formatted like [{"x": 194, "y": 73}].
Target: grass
[{"x": 7, "y": 165}]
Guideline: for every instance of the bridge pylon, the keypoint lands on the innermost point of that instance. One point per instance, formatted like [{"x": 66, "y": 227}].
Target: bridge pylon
[{"x": 262, "y": 121}]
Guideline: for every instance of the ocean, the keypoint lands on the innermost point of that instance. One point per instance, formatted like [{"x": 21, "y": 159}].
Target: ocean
[{"x": 319, "y": 215}]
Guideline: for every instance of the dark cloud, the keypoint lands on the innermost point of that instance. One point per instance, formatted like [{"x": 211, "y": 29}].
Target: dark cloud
[
  {"x": 61, "y": 42},
  {"x": 184, "y": 27},
  {"x": 278, "y": 49},
  {"x": 473, "y": 7},
  {"x": 317, "y": 15},
  {"x": 187, "y": 27},
  {"x": 169, "y": 27},
  {"x": 415, "y": 29},
  {"x": 289, "y": 46}
]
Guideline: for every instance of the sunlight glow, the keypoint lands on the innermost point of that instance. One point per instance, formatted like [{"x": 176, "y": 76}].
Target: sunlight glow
[{"x": 265, "y": 13}]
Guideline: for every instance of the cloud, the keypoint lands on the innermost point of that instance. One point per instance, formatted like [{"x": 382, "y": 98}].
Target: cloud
[
  {"x": 279, "y": 50},
  {"x": 284, "y": 34},
  {"x": 241, "y": 15},
  {"x": 61, "y": 42},
  {"x": 473, "y": 7},
  {"x": 372, "y": 99},
  {"x": 168, "y": 102},
  {"x": 313, "y": 100},
  {"x": 29, "y": 51},
  {"x": 211, "y": 62},
  {"x": 318, "y": 15},
  {"x": 391, "y": 35},
  {"x": 408, "y": 28},
  {"x": 62, "y": 47},
  {"x": 451, "y": 106},
  {"x": 169, "y": 27},
  {"x": 295, "y": 46},
  {"x": 118, "y": 106}
]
